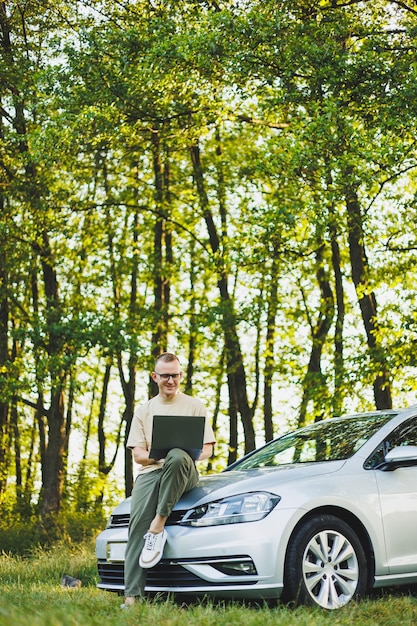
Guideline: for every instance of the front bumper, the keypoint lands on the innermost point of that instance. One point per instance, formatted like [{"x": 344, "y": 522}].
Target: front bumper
[
  {"x": 239, "y": 560},
  {"x": 179, "y": 578}
]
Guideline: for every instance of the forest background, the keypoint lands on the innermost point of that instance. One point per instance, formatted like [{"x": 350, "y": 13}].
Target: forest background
[{"x": 232, "y": 181}]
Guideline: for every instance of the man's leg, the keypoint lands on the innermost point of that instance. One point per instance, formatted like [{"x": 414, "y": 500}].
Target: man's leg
[
  {"x": 143, "y": 507},
  {"x": 179, "y": 474}
]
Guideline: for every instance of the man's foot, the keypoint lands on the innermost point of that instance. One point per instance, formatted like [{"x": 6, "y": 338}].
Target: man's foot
[
  {"x": 153, "y": 549},
  {"x": 128, "y": 603}
]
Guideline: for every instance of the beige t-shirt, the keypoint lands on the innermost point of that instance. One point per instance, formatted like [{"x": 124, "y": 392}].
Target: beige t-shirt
[{"x": 141, "y": 428}]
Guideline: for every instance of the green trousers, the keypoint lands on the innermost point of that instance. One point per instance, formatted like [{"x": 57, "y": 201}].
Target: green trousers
[{"x": 154, "y": 492}]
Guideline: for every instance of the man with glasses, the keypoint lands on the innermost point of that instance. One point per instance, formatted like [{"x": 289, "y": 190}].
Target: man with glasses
[{"x": 159, "y": 484}]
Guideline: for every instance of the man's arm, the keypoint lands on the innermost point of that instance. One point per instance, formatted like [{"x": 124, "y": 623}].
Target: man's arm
[
  {"x": 141, "y": 456},
  {"x": 206, "y": 452}
]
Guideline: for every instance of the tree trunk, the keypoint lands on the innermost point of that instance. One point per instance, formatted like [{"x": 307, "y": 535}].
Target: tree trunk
[
  {"x": 234, "y": 360},
  {"x": 162, "y": 254},
  {"x": 338, "y": 395},
  {"x": 4, "y": 357},
  {"x": 128, "y": 386},
  {"x": 56, "y": 447},
  {"x": 102, "y": 467},
  {"x": 53, "y": 469},
  {"x": 193, "y": 328},
  {"x": 367, "y": 302},
  {"x": 217, "y": 404},
  {"x": 270, "y": 348},
  {"x": 314, "y": 384}
]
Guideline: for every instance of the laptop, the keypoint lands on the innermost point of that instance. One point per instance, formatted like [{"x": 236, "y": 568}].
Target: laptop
[{"x": 177, "y": 431}]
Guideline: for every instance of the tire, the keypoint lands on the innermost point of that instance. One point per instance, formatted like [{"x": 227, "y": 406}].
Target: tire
[{"x": 325, "y": 564}]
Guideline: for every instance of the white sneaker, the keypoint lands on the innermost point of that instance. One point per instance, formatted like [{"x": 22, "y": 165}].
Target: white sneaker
[{"x": 153, "y": 549}]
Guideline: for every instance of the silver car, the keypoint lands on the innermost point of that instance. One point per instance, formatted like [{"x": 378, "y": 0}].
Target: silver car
[{"x": 319, "y": 516}]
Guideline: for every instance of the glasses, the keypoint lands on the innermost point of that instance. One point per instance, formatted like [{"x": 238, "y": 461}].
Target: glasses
[{"x": 168, "y": 376}]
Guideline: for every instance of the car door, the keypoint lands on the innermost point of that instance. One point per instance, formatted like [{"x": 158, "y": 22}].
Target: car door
[{"x": 398, "y": 497}]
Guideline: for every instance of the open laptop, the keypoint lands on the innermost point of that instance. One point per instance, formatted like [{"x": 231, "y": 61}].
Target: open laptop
[{"x": 177, "y": 431}]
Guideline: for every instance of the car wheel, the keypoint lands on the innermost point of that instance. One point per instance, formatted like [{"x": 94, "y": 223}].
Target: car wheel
[{"x": 325, "y": 564}]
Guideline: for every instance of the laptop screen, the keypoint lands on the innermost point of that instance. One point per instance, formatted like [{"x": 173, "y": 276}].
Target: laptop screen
[{"x": 177, "y": 431}]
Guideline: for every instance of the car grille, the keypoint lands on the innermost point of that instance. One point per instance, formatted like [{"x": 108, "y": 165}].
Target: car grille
[
  {"x": 111, "y": 573},
  {"x": 164, "y": 575},
  {"x": 120, "y": 521}
]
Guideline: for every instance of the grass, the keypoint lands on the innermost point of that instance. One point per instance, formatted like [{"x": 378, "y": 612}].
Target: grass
[{"x": 31, "y": 593}]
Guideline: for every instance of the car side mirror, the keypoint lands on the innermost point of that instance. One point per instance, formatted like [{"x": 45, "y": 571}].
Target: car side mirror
[{"x": 401, "y": 456}]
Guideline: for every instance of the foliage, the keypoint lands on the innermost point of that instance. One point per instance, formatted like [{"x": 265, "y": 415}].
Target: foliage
[
  {"x": 227, "y": 180},
  {"x": 23, "y": 536}
]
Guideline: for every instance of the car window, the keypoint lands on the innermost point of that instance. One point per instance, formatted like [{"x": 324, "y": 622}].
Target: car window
[
  {"x": 331, "y": 440},
  {"x": 403, "y": 435}
]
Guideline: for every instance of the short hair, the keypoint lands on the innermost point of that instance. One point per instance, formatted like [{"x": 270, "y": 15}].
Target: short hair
[{"x": 167, "y": 357}]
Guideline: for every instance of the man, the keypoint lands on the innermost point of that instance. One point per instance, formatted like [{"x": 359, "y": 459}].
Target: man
[{"x": 159, "y": 484}]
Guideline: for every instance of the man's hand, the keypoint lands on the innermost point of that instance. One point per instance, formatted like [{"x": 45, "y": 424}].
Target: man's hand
[
  {"x": 206, "y": 452},
  {"x": 141, "y": 456}
]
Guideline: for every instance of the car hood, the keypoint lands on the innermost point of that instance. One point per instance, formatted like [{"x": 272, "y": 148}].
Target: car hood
[
  {"x": 217, "y": 486},
  {"x": 227, "y": 483}
]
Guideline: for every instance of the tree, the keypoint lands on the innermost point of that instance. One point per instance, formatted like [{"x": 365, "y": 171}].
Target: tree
[{"x": 30, "y": 190}]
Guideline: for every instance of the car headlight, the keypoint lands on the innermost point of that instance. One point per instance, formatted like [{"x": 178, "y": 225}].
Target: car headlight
[{"x": 245, "y": 507}]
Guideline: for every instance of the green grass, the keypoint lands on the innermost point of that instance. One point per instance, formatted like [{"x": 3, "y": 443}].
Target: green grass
[{"x": 31, "y": 593}]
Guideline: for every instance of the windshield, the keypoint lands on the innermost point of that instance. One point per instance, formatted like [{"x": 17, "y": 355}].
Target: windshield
[{"x": 330, "y": 440}]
